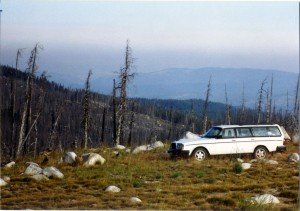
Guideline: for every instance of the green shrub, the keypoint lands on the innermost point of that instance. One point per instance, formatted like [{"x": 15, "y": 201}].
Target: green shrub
[{"x": 238, "y": 168}]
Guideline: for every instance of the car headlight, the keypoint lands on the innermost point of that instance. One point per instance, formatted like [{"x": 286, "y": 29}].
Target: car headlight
[{"x": 180, "y": 146}]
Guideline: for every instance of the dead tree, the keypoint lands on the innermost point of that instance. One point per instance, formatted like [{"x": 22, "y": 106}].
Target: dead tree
[
  {"x": 205, "y": 107},
  {"x": 131, "y": 125},
  {"x": 269, "y": 103},
  {"x": 103, "y": 125},
  {"x": 86, "y": 111},
  {"x": 242, "y": 116},
  {"x": 228, "y": 113},
  {"x": 26, "y": 116},
  {"x": 125, "y": 77},
  {"x": 114, "y": 114},
  {"x": 261, "y": 93}
]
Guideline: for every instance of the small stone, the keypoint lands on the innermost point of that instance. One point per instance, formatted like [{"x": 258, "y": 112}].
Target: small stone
[
  {"x": 240, "y": 160},
  {"x": 39, "y": 177},
  {"x": 135, "y": 199},
  {"x": 112, "y": 188},
  {"x": 265, "y": 199},
  {"x": 2, "y": 182},
  {"x": 10, "y": 164},
  {"x": 272, "y": 162},
  {"x": 246, "y": 165}
]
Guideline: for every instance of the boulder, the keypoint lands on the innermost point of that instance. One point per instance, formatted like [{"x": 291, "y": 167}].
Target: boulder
[
  {"x": 112, "y": 188},
  {"x": 265, "y": 199},
  {"x": 120, "y": 147},
  {"x": 294, "y": 157},
  {"x": 6, "y": 179},
  {"x": 246, "y": 165},
  {"x": 69, "y": 158},
  {"x": 240, "y": 160},
  {"x": 90, "y": 159},
  {"x": 39, "y": 177},
  {"x": 53, "y": 172},
  {"x": 135, "y": 199},
  {"x": 2, "y": 182},
  {"x": 190, "y": 135},
  {"x": 272, "y": 162},
  {"x": 157, "y": 144},
  {"x": 10, "y": 164},
  {"x": 139, "y": 149},
  {"x": 33, "y": 169}
]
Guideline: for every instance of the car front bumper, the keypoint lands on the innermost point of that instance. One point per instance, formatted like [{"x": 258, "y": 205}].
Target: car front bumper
[{"x": 177, "y": 152}]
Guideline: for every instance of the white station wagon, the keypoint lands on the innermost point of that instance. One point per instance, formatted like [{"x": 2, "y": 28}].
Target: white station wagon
[{"x": 232, "y": 139}]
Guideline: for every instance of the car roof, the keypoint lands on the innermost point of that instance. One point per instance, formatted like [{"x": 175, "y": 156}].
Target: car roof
[{"x": 240, "y": 126}]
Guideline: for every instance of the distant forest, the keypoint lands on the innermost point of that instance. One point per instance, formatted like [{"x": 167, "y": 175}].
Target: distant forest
[{"x": 55, "y": 116}]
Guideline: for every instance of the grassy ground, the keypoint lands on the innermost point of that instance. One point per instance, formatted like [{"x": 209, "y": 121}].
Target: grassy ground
[{"x": 160, "y": 182}]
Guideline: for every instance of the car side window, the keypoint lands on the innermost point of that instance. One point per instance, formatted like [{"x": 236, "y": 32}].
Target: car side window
[
  {"x": 228, "y": 133},
  {"x": 243, "y": 132}
]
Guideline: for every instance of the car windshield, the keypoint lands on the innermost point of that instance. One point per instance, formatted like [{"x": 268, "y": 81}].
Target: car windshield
[{"x": 212, "y": 132}]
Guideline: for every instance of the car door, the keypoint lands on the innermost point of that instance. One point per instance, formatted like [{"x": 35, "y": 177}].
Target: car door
[
  {"x": 245, "y": 142},
  {"x": 226, "y": 143}
]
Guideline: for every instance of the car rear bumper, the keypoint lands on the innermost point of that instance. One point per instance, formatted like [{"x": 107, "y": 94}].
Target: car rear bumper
[{"x": 281, "y": 149}]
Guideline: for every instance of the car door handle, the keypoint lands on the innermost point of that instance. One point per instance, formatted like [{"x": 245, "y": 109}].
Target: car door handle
[{"x": 233, "y": 140}]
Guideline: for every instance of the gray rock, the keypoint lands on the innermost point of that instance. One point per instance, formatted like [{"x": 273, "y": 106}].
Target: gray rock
[
  {"x": 53, "y": 172},
  {"x": 272, "y": 162},
  {"x": 69, "y": 158},
  {"x": 90, "y": 159},
  {"x": 135, "y": 199},
  {"x": 2, "y": 182},
  {"x": 10, "y": 164},
  {"x": 39, "y": 177},
  {"x": 294, "y": 157},
  {"x": 246, "y": 165},
  {"x": 240, "y": 160},
  {"x": 33, "y": 169},
  {"x": 265, "y": 199},
  {"x": 113, "y": 189}
]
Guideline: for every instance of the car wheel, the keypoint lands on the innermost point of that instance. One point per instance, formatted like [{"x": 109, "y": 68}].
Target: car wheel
[
  {"x": 200, "y": 154},
  {"x": 260, "y": 152}
]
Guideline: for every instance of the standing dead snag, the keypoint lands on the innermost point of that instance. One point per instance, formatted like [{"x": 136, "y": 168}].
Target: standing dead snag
[
  {"x": 125, "y": 77},
  {"x": 260, "y": 101},
  {"x": 205, "y": 107},
  {"x": 86, "y": 111},
  {"x": 26, "y": 116}
]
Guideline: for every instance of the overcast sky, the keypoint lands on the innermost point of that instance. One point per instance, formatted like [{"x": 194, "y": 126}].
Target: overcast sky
[{"x": 82, "y": 35}]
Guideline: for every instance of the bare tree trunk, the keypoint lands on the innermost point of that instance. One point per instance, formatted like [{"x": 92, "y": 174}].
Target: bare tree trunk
[
  {"x": 26, "y": 116},
  {"x": 205, "y": 107},
  {"x": 228, "y": 113},
  {"x": 114, "y": 115},
  {"x": 242, "y": 117},
  {"x": 131, "y": 126},
  {"x": 86, "y": 111},
  {"x": 260, "y": 101},
  {"x": 125, "y": 77},
  {"x": 103, "y": 125},
  {"x": 269, "y": 105}
]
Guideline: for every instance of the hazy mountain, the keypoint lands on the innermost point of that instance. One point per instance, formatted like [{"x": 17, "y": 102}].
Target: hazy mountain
[{"x": 182, "y": 83}]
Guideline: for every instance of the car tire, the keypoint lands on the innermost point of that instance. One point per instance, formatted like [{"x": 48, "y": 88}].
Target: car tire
[
  {"x": 200, "y": 154},
  {"x": 260, "y": 152}
]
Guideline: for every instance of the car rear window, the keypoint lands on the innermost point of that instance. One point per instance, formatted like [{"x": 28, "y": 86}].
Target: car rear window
[{"x": 266, "y": 131}]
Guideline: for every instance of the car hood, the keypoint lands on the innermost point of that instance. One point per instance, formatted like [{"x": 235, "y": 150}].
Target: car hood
[{"x": 194, "y": 140}]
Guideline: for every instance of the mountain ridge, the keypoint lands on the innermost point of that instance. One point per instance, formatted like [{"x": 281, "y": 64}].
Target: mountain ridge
[{"x": 189, "y": 83}]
